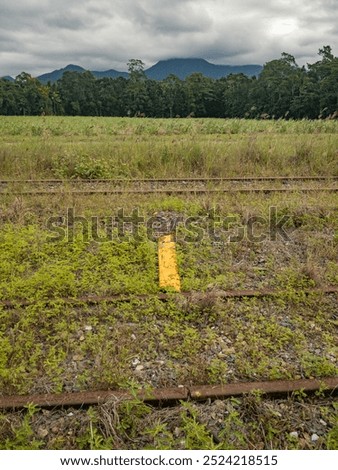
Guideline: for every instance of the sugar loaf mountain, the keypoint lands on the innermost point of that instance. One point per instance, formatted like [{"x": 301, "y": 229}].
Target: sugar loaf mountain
[{"x": 182, "y": 68}]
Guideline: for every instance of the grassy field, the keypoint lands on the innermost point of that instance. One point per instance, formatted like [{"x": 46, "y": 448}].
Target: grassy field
[
  {"x": 113, "y": 147},
  {"x": 223, "y": 242}
]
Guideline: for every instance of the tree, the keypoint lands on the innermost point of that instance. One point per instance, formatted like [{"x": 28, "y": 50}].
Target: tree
[
  {"x": 174, "y": 97},
  {"x": 136, "y": 90},
  {"x": 55, "y": 99},
  {"x": 136, "y": 70},
  {"x": 200, "y": 94},
  {"x": 78, "y": 93},
  {"x": 33, "y": 97},
  {"x": 111, "y": 95},
  {"x": 283, "y": 89},
  {"x": 278, "y": 86},
  {"x": 9, "y": 98},
  {"x": 326, "y": 53},
  {"x": 236, "y": 95},
  {"x": 323, "y": 77}
]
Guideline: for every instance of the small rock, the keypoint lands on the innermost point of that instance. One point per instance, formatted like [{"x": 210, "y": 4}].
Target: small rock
[
  {"x": 160, "y": 363},
  {"x": 135, "y": 362},
  {"x": 77, "y": 357},
  {"x": 294, "y": 434},
  {"x": 88, "y": 328},
  {"x": 324, "y": 423},
  {"x": 70, "y": 414},
  {"x": 314, "y": 437},
  {"x": 218, "y": 404},
  {"x": 82, "y": 338},
  {"x": 139, "y": 368},
  {"x": 177, "y": 432},
  {"x": 42, "y": 432}
]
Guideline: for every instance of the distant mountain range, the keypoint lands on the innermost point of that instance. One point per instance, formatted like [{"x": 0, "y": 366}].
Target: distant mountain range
[
  {"x": 182, "y": 68},
  {"x": 57, "y": 74},
  {"x": 9, "y": 78}
]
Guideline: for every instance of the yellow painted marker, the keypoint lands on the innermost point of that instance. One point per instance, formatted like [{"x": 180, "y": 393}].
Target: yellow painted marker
[{"x": 167, "y": 263}]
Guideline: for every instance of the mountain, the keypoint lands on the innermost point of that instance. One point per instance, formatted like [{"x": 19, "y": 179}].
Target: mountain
[
  {"x": 182, "y": 68},
  {"x": 57, "y": 74},
  {"x": 110, "y": 73},
  {"x": 8, "y": 77}
]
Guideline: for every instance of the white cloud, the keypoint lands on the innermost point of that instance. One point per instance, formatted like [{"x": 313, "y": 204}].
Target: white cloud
[{"x": 41, "y": 35}]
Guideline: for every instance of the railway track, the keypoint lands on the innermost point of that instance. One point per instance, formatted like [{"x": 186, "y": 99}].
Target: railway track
[
  {"x": 169, "y": 185},
  {"x": 165, "y": 396},
  {"x": 231, "y": 294},
  {"x": 171, "y": 395},
  {"x": 179, "y": 191},
  {"x": 284, "y": 179},
  {"x": 169, "y": 191}
]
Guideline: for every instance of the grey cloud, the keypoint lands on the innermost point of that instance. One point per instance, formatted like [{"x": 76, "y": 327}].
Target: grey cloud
[
  {"x": 64, "y": 21},
  {"x": 162, "y": 17},
  {"x": 39, "y": 35}
]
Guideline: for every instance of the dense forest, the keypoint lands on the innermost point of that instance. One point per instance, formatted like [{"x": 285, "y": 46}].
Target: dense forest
[{"x": 282, "y": 90}]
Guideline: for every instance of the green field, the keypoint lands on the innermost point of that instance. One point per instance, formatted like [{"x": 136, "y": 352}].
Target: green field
[
  {"x": 81, "y": 147},
  {"x": 51, "y": 346}
]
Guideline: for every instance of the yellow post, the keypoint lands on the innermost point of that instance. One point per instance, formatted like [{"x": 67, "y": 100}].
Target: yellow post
[{"x": 167, "y": 263}]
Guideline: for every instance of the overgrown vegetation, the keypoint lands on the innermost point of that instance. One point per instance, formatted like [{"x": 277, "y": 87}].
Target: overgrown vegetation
[
  {"x": 58, "y": 347},
  {"x": 224, "y": 241},
  {"x": 251, "y": 422},
  {"x": 93, "y": 148}
]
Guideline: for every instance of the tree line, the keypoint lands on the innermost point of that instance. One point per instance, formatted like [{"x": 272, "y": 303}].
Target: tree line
[{"x": 282, "y": 90}]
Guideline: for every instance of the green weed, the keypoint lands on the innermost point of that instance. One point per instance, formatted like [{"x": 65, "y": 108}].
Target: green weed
[{"x": 22, "y": 436}]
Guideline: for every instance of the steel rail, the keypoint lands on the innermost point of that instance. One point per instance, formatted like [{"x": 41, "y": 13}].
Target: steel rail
[
  {"x": 169, "y": 180},
  {"x": 168, "y": 191},
  {"x": 230, "y": 294},
  {"x": 168, "y": 395}
]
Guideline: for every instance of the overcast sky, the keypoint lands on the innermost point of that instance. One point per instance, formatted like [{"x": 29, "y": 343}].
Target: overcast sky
[{"x": 38, "y": 36}]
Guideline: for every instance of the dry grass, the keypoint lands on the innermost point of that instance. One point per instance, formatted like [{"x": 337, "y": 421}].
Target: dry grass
[{"x": 115, "y": 147}]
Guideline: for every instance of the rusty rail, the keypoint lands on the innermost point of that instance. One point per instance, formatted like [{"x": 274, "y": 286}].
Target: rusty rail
[
  {"x": 167, "y": 191},
  {"x": 168, "y": 395},
  {"x": 92, "y": 300},
  {"x": 131, "y": 185},
  {"x": 169, "y": 180}
]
